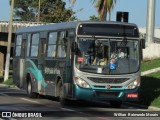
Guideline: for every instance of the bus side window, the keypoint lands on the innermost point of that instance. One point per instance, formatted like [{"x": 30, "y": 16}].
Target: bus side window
[
  {"x": 34, "y": 45},
  {"x": 51, "y": 51},
  {"x": 28, "y": 44},
  {"x": 34, "y": 51},
  {"x": 18, "y": 45},
  {"x": 62, "y": 43}
]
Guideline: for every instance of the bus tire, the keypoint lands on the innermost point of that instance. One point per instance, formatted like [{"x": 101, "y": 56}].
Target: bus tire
[
  {"x": 116, "y": 104},
  {"x": 62, "y": 100},
  {"x": 30, "y": 92}
]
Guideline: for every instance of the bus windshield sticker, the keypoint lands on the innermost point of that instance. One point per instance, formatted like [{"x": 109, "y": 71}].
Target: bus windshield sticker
[
  {"x": 112, "y": 66},
  {"x": 99, "y": 70},
  {"x": 80, "y": 59}
]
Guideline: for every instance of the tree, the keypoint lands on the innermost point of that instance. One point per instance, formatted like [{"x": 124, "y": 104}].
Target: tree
[
  {"x": 93, "y": 17},
  {"x": 50, "y": 11},
  {"x": 103, "y": 7},
  {"x": 24, "y": 10},
  {"x": 57, "y": 13}
]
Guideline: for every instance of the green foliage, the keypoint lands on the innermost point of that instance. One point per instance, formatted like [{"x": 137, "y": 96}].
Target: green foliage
[
  {"x": 9, "y": 81},
  {"x": 104, "y": 7},
  {"x": 156, "y": 102},
  {"x": 150, "y": 64},
  {"x": 150, "y": 90},
  {"x": 50, "y": 11},
  {"x": 93, "y": 17},
  {"x": 24, "y": 10},
  {"x": 1, "y": 79}
]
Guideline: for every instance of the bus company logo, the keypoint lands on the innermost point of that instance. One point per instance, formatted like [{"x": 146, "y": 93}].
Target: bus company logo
[{"x": 108, "y": 87}]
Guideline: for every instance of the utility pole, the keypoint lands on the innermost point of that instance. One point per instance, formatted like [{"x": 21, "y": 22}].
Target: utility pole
[
  {"x": 39, "y": 7},
  {"x": 150, "y": 22},
  {"x": 6, "y": 74}
]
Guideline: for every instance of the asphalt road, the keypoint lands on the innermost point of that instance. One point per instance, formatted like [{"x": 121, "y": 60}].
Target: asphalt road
[{"x": 15, "y": 104}]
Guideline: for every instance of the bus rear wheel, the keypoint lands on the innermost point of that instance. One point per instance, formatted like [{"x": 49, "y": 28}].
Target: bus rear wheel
[
  {"x": 30, "y": 92},
  {"x": 116, "y": 104}
]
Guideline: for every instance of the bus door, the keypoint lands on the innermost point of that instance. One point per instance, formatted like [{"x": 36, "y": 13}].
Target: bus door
[
  {"x": 19, "y": 60},
  {"x": 22, "y": 61},
  {"x": 41, "y": 62},
  {"x": 69, "y": 60},
  {"x": 69, "y": 64}
]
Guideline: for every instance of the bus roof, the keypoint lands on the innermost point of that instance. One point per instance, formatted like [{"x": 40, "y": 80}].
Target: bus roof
[{"x": 65, "y": 25}]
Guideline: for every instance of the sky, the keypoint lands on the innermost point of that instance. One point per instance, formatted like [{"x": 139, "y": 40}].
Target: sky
[{"x": 137, "y": 10}]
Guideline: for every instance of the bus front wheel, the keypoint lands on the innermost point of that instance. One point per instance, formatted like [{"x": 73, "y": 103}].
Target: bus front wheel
[
  {"x": 30, "y": 92},
  {"x": 62, "y": 100}
]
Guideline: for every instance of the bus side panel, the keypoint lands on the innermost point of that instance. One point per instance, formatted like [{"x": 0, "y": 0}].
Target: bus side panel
[{"x": 54, "y": 71}]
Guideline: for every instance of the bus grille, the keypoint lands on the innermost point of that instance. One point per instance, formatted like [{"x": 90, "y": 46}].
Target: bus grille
[{"x": 108, "y": 80}]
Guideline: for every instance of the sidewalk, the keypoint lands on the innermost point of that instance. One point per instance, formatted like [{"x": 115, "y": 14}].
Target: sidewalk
[
  {"x": 9, "y": 86},
  {"x": 150, "y": 71}
]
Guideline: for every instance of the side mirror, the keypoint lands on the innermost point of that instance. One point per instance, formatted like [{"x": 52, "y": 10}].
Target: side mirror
[
  {"x": 74, "y": 47},
  {"x": 143, "y": 44}
]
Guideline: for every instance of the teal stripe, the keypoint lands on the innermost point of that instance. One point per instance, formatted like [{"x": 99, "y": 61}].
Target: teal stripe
[
  {"x": 36, "y": 72},
  {"x": 121, "y": 93}
]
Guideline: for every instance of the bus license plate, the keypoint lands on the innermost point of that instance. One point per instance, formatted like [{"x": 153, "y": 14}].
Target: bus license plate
[{"x": 132, "y": 95}]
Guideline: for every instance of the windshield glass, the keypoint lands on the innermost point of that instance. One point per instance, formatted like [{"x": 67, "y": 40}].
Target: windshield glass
[{"x": 107, "y": 56}]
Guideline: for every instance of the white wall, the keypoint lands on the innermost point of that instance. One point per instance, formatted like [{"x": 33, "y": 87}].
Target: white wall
[
  {"x": 151, "y": 51},
  {"x": 156, "y": 31}
]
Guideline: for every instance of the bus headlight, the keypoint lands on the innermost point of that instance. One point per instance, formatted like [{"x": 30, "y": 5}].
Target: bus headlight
[
  {"x": 134, "y": 84},
  {"x": 82, "y": 83}
]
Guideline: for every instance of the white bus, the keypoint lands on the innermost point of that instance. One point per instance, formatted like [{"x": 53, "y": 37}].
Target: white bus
[{"x": 91, "y": 61}]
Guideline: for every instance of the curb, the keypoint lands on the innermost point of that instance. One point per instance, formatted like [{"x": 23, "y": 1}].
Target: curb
[
  {"x": 136, "y": 105},
  {"x": 150, "y": 71},
  {"x": 154, "y": 108},
  {"x": 9, "y": 86},
  {"x": 143, "y": 106}
]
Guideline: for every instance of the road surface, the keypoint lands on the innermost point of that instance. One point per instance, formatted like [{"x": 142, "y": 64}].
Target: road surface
[{"x": 15, "y": 104}]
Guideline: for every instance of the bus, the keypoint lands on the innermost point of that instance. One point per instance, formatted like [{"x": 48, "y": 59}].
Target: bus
[{"x": 83, "y": 61}]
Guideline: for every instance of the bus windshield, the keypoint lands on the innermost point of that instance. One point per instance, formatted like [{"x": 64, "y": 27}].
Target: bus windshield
[{"x": 107, "y": 56}]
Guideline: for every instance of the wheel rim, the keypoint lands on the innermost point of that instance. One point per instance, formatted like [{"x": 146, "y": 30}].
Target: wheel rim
[
  {"x": 61, "y": 92},
  {"x": 29, "y": 88}
]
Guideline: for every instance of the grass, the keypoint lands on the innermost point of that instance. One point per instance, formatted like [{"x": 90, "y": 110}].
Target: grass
[
  {"x": 156, "y": 102},
  {"x": 150, "y": 84},
  {"x": 150, "y": 64},
  {"x": 7, "y": 82},
  {"x": 150, "y": 90}
]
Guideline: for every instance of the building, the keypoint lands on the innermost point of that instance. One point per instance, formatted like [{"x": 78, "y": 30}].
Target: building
[
  {"x": 4, "y": 28},
  {"x": 151, "y": 51}
]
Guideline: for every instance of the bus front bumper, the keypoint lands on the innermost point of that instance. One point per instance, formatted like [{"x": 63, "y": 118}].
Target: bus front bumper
[{"x": 105, "y": 95}]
